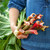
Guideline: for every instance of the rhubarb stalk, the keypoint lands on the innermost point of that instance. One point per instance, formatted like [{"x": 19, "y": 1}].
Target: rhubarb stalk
[{"x": 31, "y": 32}]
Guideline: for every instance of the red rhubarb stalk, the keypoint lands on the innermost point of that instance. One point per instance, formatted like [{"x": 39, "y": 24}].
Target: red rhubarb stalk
[
  {"x": 34, "y": 25},
  {"x": 31, "y": 32}
]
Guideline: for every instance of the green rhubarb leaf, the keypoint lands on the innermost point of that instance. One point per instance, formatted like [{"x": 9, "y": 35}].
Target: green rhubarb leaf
[
  {"x": 11, "y": 43},
  {"x": 18, "y": 41},
  {"x": 4, "y": 42},
  {"x": 5, "y": 29},
  {"x": 17, "y": 47}
]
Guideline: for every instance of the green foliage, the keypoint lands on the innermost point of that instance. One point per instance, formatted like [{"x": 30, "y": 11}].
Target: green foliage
[
  {"x": 4, "y": 26},
  {"x": 3, "y": 6},
  {"x": 10, "y": 43}
]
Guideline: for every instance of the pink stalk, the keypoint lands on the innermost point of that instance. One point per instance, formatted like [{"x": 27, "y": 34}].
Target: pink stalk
[{"x": 31, "y": 32}]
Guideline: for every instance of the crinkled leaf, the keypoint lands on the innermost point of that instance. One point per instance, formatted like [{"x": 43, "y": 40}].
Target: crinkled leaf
[
  {"x": 4, "y": 42},
  {"x": 5, "y": 29}
]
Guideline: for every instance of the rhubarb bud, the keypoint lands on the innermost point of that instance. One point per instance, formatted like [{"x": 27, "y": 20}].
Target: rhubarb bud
[
  {"x": 39, "y": 16},
  {"x": 32, "y": 20},
  {"x": 44, "y": 27},
  {"x": 26, "y": 23},
  {"x": 31, "y": 16},
  {"x": 41, "y": 24}
]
